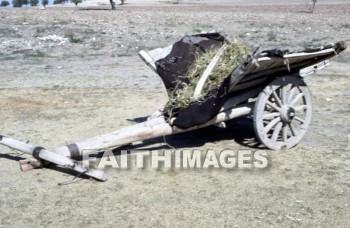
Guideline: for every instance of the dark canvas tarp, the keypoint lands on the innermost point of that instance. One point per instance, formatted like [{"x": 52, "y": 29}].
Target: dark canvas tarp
[{"x": 173, "y": 69}]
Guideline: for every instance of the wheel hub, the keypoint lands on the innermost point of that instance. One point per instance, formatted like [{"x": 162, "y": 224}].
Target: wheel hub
[{"x": 287, "y": 114}]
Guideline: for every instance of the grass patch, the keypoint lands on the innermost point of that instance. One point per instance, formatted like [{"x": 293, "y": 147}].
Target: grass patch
[
  {"x": 242, "y": 35},
  {"x": 35, "y": 54},
  {"x": 198, "y": 27},
  {"x": 271, "y": 36},
  {"x": 124, "y": 54},
  {"x": 171, "y": 22},
  {"x": 345, "y": 25},
  {"x": 39, "y": 32},
  {"x": 71, "y": 37},
  {"x": 8, "y": 58},
  {"x": 182, "y": 96}
]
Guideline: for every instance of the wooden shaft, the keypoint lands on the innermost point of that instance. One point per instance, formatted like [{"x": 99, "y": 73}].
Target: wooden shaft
[
  {"x": 53, "y": 158},
  {"x": 150, "y": 129},
  {"x": 89, "y": 147}
]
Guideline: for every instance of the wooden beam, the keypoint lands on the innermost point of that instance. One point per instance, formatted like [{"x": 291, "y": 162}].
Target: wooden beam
[{"x": 52, "y": 157}]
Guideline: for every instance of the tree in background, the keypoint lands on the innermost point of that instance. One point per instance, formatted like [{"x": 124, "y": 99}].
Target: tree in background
[
  {"x": 44, "y": 2},
  {"x": 113, "y": 3},
  {"x": 55, "y": 2},
  {"x": 24, "y": 2},
  {"x": 4, "y": 3},
  {"x": 76, "y": 2},
  {"x": 313, "y": 5},
  {"x": 34, "y": 2},
  {"x": 17, "y": 3}
]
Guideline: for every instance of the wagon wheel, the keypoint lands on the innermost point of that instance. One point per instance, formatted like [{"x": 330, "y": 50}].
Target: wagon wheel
[{"x": 282, "y": 113}]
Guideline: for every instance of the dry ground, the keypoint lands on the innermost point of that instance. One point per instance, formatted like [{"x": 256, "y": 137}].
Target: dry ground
[{"x": 53, "y": 92}]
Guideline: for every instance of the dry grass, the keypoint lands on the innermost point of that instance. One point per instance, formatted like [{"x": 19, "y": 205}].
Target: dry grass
[{"x": 182, "y": 96}]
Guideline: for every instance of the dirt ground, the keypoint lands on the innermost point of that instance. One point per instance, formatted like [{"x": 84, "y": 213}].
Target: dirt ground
[{"x": 68, "y": 74}]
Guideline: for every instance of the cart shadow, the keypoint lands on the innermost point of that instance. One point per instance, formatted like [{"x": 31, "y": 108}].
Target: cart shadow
[
  {"x": 239, "y": 130},
  {"x": 70, "y": 173},
  {"x": 304, "y": 12},
  {"x": 15, "y": 157}
]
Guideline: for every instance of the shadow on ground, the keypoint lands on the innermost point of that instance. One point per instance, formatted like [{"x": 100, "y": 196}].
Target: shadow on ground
[{"x": 240, "y": 130}]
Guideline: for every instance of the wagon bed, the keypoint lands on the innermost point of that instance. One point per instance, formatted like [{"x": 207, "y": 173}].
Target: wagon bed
[{"x": 267, "y": 64}]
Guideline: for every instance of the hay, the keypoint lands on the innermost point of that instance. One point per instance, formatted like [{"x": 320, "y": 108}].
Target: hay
[{"x": 182, "y": 96}]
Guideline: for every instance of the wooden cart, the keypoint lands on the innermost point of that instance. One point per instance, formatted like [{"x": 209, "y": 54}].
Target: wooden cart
[{"x": 269, "y": 87}]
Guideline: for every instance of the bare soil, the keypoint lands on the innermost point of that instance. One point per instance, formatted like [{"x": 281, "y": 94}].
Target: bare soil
[{"x": 88, "y": 80}]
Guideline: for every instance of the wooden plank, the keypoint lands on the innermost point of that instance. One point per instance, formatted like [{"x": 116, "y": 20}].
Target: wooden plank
[
  {"x": 207, "y": 72},
  {"x": 267, "y": 63},
  {"x": 154, "y": 55}
]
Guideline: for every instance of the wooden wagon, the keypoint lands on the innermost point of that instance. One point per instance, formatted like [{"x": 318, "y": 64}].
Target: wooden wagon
[{"x": 267, "y": 85}]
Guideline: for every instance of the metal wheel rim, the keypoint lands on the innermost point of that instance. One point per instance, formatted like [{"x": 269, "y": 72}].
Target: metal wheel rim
[{"x": 283, "y": 112}]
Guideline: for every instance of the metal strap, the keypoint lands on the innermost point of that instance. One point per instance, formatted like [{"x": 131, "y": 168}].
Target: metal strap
[
  {"x": 74, "y": 150},
  {"x": 36, "y": 155}
]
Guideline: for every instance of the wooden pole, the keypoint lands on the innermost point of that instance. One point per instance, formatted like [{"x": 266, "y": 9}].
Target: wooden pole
[
  {"x": 150, "y": 129},
  {"x": 207, "y": 72},
  {"x": 52, "y": 157}
]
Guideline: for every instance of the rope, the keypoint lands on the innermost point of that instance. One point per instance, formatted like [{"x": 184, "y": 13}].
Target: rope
[{"x": 166, "y": 143}]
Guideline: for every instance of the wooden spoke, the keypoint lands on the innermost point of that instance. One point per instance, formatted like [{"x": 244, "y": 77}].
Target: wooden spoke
[
  {"x": 291, "y": 94},
  {"x": 283, "y": 94},
  {"x": 299, "y": 108},
  {"x": 292, "y": 129},
  {"x": 284, "y": 133},
  {"x": 277, "y": 99},
  {"x": 276, "y": 131},
  {"x": 272, "y": 105},
  {"x": 300, "y": 95},
  {"x": 271, "y": 115},
  {"x": 271, "y": 124},
  {"x": 299, "y": 119}
]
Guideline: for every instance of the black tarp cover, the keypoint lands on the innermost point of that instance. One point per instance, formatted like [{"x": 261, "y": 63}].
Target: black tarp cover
[{"x": 173, "y": 69}]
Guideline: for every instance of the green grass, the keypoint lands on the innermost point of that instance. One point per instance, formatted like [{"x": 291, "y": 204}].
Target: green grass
[
  {"x": 35, "y": 54},
  {"x": 71, "y": 37},
  {"x": 182, "y": 96}
]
